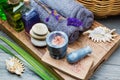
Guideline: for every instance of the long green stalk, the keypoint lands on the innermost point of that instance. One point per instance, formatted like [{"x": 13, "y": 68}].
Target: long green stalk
[
  {"x": 12, "y": 54},
  {"x": 39, "y": 68}
]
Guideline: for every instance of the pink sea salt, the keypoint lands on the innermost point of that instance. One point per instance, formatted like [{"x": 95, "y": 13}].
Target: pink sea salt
[{"x": 58, "y": 40}]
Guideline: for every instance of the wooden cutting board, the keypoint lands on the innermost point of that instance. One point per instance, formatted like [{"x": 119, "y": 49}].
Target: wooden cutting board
[
  {"x": 78, "y": 70},
  {"x": 101, "y": 51},
  {"x": 83, "y": 67}
]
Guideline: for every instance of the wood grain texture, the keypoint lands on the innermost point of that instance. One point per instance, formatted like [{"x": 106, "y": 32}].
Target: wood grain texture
[
  {"x": 101, "y": 51},
  {"x": 107, "y": 72},
  {"x": 78, "y": 70},
  {"x": 114, "y": 60}
]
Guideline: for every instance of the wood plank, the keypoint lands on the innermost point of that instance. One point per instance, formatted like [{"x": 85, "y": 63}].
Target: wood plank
[
  {"x": 23, "y": 40},
  {"x": 65, "y": 76},
  {"x": 98, "y": 65},
  {"x": 78, "y": 70},
  {"x": 107, "y": 72},
  {"x": 115, "y": 58},
  {"x": 99, "y": 53}
]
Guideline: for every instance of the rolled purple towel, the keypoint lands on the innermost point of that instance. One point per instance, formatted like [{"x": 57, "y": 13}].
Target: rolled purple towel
[
  {"x": 55, "y": 25},
  {"x": 71, "y": 31},
  {"x": 64, "y": 7},
  {"x": 73, "y": 9}
]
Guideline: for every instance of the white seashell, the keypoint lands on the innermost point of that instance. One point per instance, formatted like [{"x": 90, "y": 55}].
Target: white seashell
[
  {"x": 101, "y": 34},
  {"x": 15, "y": 66}
]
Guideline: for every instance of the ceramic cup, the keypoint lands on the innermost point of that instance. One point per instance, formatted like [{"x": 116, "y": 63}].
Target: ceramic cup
[{"x": 57, "y": 43}]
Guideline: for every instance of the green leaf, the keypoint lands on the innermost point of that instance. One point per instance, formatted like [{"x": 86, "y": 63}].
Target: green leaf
[
  {"x": 38, "y": 67},
  {"x": 12, "y": 54}
]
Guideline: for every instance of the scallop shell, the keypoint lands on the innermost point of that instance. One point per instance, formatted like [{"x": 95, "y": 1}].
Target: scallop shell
[
  {"x": 101, "y": 34},
  {"x": 15, "y": 66}
]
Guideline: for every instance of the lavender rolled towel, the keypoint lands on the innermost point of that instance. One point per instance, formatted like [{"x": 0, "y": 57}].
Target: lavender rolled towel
[
  {"x": 73, "y": 9},
  {"x": 55, "y": 25}
]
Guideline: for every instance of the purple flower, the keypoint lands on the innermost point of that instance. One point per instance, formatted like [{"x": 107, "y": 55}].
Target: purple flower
[
  {"x": 57, "y": 17},
  {"x": 54, "y": 14},
  {"x": 47, "y": 19},
  {"x": 74, "y": 22}
]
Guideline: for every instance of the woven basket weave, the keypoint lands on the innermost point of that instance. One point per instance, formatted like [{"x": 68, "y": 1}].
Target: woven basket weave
[{"x": 102, "y": 8}]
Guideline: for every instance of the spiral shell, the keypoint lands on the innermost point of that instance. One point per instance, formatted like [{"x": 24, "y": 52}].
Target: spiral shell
[
  {"x": 101, "y": 34},
  {"x": 15, "y": 66}
]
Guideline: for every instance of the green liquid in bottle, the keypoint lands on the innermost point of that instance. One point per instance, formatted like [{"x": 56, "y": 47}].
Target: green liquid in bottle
[
  {"x": 3, "y": 1},
  {"x": 14, "y": 16},
  {"x": 2, "y": 14}
]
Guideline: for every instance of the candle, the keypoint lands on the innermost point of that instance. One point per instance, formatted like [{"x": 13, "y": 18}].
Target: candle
[{"x": 57, "y": 42}]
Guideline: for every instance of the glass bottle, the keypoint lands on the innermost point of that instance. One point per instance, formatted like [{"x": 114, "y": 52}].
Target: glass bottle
[
  {"x": 29, "y": 16},
  {"x": 12, "y": 10},
  {"x": 2, "y": 14},
  {"x": 2, "y": 1}
]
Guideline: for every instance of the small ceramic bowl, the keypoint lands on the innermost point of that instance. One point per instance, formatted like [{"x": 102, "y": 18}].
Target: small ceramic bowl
[{"x": 57, "y": 42}]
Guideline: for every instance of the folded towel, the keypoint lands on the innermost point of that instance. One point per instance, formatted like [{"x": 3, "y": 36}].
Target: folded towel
[
  {"x": 71, "y": 31},
  {"x": 73, "y": 9},
  {"x": 64, "y": 7},
  {"x": 55, "y": 25}
]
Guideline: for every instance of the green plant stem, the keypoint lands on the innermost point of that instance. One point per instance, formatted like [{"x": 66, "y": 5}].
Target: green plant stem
[
  {"x": 10, "y": 53},
  {"x": 39, "y": 68}
]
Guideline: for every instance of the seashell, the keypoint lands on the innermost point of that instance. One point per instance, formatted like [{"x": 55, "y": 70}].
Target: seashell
[
  {"x": 101, "y": 34},
  {"x": 15, "y": 66}
]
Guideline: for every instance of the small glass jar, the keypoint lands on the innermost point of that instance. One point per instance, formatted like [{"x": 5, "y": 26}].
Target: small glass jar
[{"x": 29, "y": 16}]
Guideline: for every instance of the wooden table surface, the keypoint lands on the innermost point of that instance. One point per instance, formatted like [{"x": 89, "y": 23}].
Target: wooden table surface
[{"x": 110, "y": 70}]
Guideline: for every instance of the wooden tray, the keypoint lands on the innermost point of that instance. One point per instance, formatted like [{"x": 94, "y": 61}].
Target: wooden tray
[
  {"x": 101, "y": 51},
  {"x": 78, "y": 70}
]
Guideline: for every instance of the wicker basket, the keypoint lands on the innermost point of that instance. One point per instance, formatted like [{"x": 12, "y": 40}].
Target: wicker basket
[{"x": 102, "y": 8}]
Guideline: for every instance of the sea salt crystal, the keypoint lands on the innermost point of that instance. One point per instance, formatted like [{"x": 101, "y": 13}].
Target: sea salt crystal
[{"x": 58, "y": 40}]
